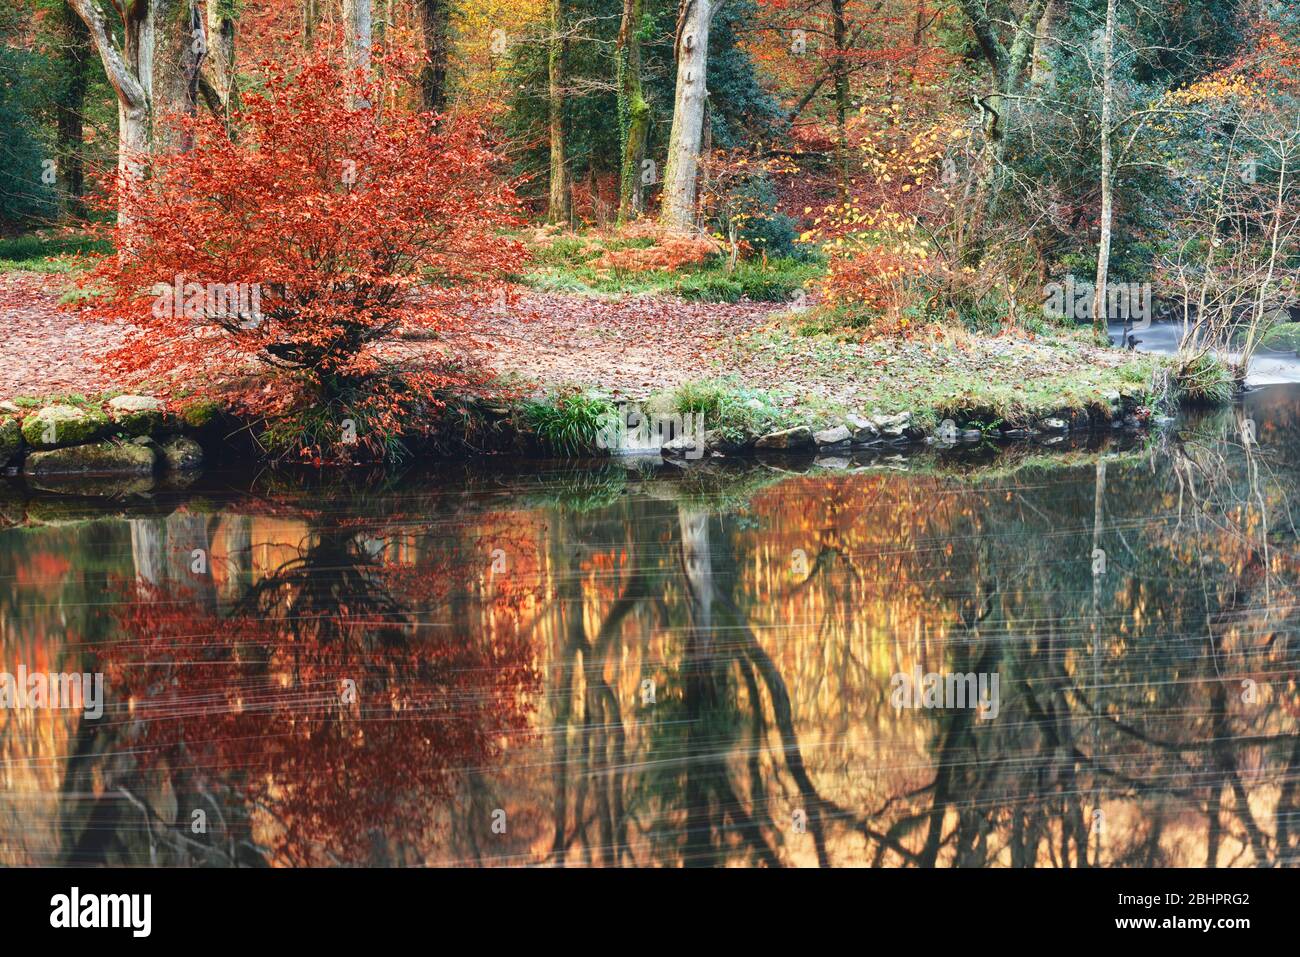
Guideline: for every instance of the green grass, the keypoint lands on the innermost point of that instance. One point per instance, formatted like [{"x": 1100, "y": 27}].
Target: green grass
[
  {"x": 978, "y": 380},
  {"x": 75, "y": 399},
  {"x": 731, "y": 409},
  {"x": 568, "y": 423},
  {"x": 1204, "y": 379},
  {"x": 564, "y": 267},
  {"x": 42, "y": 252}
]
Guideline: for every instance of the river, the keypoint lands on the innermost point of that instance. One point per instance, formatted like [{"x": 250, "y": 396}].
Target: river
[{"x": 616, "y": 664}]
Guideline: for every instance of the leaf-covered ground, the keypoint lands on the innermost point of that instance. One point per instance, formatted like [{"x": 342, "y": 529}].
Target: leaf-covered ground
[
  {"x": 641, "y": 345},
  {"x": 44, "y": 351}
]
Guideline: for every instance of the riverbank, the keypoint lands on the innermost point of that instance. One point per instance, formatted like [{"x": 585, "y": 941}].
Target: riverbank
[
  {"x": 27, "y": 501},
  {"x": 560, "y": 369}
]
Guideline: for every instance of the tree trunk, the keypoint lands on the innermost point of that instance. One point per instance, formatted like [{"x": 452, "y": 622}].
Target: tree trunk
[
  {"x": 692, "y": 52},
  {"x": 155, "y": 75},
  {"x": 69, "y": 107},
  {"x": 310, "y": 18},
  {"x": 179, "y": 47},
  {"x": 1107, "y": 186},
  {"x": 357, "y": 42},
  {"x": 840, "y": 70},
  {"x": 633, "y": 114},
  {"x": 559, "y": 207},
  {"x": 1008, "y": 62},
  {"x": 435, "y": 20},
  {"x": 220, "y": 73}
]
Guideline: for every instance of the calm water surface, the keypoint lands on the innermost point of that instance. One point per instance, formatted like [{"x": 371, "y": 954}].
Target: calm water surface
[{"x": 613, "y": 666}]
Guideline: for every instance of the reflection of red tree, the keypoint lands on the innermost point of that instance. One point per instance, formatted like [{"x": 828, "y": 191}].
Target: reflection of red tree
[{"x": 259, "y": 701}]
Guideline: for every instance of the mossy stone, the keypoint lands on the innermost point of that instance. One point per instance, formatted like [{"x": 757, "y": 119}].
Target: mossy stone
[
  {"x": 180, "y": 454},
  {"x": 60, "y": 425},
  {"x": 136, "y": 414},
  {"x": 11, "y": 439},
  {"x": 200, "y": 415},
  {"x": 99, "y": 458}
]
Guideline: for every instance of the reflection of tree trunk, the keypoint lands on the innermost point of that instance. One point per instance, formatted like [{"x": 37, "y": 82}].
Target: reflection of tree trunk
[
  {"x": 572, "y": 638},
  {"x": 1099, "y": 500},
  {"x": 190, "y": 556},
  {"x": 1288, "y": 807},
  {"x": 239, "y": 555},
  {"x": 697, "y": 562},
  {"x": 1222, "y": 737},
  {"x": 603, "y": 701},
  {"x": 814, "y": 805},
  {"x": 955, "y": 778},
  {"x": 700, "y": 690},
  {"x": 148, "y": 541}
]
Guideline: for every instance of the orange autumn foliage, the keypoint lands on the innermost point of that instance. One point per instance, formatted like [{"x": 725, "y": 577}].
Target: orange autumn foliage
[{"x": 349, "y": 223}]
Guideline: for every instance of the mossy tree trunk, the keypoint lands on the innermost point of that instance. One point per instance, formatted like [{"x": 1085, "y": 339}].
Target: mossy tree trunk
[
  {"x": 69, "y": 107},
  {"x": 559, "y": 209},
  {"x": 633, "y": 114}
]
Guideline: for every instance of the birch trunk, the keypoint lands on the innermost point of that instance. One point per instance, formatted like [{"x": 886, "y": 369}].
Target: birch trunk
[
  {"x": 1107, "y": 184},
  {"x": 357, "y": 42},
  {"x": 692, "y": 52}
]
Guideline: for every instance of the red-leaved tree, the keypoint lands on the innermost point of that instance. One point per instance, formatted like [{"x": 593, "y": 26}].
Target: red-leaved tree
[{"x": 304, "y": 236}]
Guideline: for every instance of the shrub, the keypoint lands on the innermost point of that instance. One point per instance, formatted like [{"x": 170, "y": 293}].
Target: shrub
[
  {"x": 348, "y": 223},
  {"x": 658, "y": 249}
]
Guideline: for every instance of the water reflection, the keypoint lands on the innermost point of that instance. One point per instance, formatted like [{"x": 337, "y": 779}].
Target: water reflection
[{"x": 603, "y": 668}]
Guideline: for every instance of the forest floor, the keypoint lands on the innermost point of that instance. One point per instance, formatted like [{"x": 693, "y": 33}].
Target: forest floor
[{"x": 634, "y": 347}]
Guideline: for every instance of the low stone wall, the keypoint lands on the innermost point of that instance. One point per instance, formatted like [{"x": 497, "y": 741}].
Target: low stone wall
[
  {"x": 129, "y": 435},
  {"x": 133, "y": 439}
]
